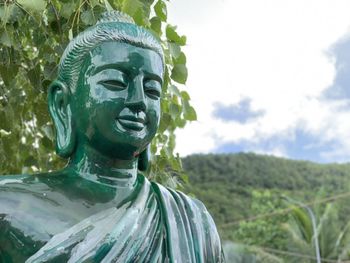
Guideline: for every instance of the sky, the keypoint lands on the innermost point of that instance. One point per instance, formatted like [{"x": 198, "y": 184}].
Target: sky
[{"x": 270, "y": 77}]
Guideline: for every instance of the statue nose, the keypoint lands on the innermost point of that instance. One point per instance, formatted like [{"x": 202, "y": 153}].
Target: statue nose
[{"x": 136, "y": 96}]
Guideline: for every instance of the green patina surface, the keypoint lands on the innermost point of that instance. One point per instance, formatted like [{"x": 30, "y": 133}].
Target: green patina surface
[{"x": 105, "y": 105}]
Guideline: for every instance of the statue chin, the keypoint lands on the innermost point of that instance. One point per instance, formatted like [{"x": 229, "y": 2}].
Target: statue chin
[
  {"x": 115, "y": 151},
  {"x": 105, "y": 105}
]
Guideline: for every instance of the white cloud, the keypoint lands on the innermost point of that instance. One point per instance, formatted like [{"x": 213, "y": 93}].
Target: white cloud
[{"x": 274, "y": 52}]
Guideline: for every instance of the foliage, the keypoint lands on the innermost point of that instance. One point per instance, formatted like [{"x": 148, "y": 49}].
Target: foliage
[
  {"x": 267, "y": 172},
  {"x": 235, "y": 187},
  {"x": 266, "y": 231},
  {"x": 33, "y": 35},
  {"x": 333, "y": 235},
  {"x": 238, "y": 253}
]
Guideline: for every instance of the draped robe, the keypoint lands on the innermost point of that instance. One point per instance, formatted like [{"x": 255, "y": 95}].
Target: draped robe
[{"x": 155, "y": 224}]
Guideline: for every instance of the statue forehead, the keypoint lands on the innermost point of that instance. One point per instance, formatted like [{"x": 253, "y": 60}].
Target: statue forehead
[{"x": 127, "y": 55}]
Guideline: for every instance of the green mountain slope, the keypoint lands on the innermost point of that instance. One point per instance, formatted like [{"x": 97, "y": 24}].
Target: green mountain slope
[{"x": 226, "y": 183}]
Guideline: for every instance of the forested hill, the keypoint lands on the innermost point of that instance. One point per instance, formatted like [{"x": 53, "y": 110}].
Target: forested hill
[
  {"x": 249, "y": 169},
  {"x": 225, "y": 182}
]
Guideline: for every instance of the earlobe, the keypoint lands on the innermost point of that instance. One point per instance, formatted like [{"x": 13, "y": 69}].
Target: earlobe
[
  {"x": 60, "y": 111},
  {"x": 144, "y": 159}
]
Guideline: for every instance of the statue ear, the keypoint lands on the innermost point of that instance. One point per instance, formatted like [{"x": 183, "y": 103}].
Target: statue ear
[
  {"x": 143, "y": 159},
  {"x": 60, "y": 111}
]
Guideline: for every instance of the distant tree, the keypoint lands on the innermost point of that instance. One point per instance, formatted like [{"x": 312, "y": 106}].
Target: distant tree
[
  {"x": 238, "y": 253},
  {"x": 333, "y": 235},
  {"x": 266, "y": 231},
  {"x": 33, "y": 36}
]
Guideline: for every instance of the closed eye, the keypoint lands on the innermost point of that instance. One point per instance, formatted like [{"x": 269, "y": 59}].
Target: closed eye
[
  {"x": 152, "y": 93},
  {"x": 152, "y": 89},
  {"x": 113, "y": 84}
]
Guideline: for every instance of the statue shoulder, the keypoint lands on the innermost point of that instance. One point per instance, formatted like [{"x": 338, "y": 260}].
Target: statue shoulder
[
  {"x": 27, "y": 203},
  {"x": 6, "y": 180},
  {"x": 23, "y": 183},
  {"x": 15, "y": 190},
  {"x": 26, "y": 194},
  {"x": 16, "y": 200},
  {"x": 188, "y": 218},
  {"x": 13, "y": 183},
  {"x": 190, "y": 204}
]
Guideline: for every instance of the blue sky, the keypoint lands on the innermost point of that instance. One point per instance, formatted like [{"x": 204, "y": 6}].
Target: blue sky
[
  {"x": 269, "y": 77},
  {"x": 239, "y": 112},
  {"x": 340, "y": 52},
  {"x": 300, "y": 146}
]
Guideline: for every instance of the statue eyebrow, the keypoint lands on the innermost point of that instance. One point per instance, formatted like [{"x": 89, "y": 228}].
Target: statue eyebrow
[
  {"x": 118, "y": 67},
  {"x": 124, "y": 69},
  {"x": 152, "y": 76}
]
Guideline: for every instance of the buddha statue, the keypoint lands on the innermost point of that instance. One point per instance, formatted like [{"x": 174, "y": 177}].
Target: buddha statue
[{"x": 105, "y": 105}]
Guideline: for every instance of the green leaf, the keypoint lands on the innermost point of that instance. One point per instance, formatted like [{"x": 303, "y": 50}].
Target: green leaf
[
  {"x": 171, "y": 146},
  {"x": 50, "y": 70},
  {"x": 146, "y": 11},
  {"x": 8, "y": 74},
  {"x": 5, "y": 39},
  {"x": 108, "y": 5},
  {"x": 179, "y": 73},
  {"x": 136, "y": 9},
  {"x": 94, "y": 3},
  {"x": 4, "y": 133},
  {"x": 173, "y": 36},
  {"x": 30, "y": 161},
  {"x": 164, "y": 122},
  {"x": 70, "y": 34},
  {"x": 48, "y": 131},
  {"x": 131, "y": 7},
  {"x": 46, "y": 143},
  {"x": 161, "y": 11},
  {"x": 181, "y": 59},
  {"x": 33, "y": 5},
  {"x": 38, "y": 38},
  {"x": 4, "y": 14},
  {"x": 153, "y": 148},
  {"x": 180, "y": 122},
  {"x": 185, "y": 95},
  {"x": 10, "y": 13},
  {"x": 34, "y": 76},
  {"x": 162, "y": 160},
  {"x": 67, "y": 10},
  {"x": 189, "y": 112},
  {"x": 156, "y": 25},
  {"x": 140, "y": 18},
  {"x": 174, "y": 110},
  {"x": 175, "y": 90},
  {"x": 87, "y": 17},
  {"x": 175, "y": 50}
]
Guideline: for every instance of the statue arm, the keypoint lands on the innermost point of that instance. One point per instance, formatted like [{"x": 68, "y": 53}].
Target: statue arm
[
  {"x": 15, "y": 244},
  {"x": 212, "y": 238},
  {"x": 188, "y": 222}
]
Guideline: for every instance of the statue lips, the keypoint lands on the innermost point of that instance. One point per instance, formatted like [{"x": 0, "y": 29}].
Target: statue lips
[{"x": 132, "y": 122}]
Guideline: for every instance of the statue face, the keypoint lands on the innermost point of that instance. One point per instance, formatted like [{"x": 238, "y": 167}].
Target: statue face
[{"x": 116, "y": 106}]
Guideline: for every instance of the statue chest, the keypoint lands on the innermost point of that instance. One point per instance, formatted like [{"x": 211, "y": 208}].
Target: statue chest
[{"x": 28, "y": 221}]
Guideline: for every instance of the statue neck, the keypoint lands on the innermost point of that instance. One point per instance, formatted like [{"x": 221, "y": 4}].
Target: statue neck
[{"x": 93, "y": 166}]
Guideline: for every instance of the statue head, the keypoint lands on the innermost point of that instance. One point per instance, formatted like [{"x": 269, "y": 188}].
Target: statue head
[{"x": 107, "y": 94}]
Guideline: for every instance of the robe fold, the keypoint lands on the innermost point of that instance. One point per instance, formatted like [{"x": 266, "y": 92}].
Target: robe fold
[{"x": 155, "y": 225}]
